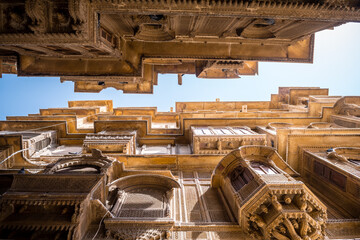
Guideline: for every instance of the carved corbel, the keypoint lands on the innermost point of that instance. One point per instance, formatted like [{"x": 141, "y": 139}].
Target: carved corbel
[
  {"x": 276, "y": 203},
  {"x": 300, "y": 201},
  {"x": 36, "y": 10},
  {"x": 317, "y": 215},
  {"x": 168, "y": 196},
  {"x": 76, "y": 213},
  {"x": 309, "y": 208},
  {"x": 304, "y": 227},
  {"x": 287, "y": 199},
  {"x": 258, "y": 220},
  {"x": 218, "y": 143},
  {"x": 315, "y": 235},
  {"x": 291, "y": 229}
]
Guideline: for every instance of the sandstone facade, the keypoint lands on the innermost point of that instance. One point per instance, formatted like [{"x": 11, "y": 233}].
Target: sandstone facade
[{"x": 287, "y": 168}]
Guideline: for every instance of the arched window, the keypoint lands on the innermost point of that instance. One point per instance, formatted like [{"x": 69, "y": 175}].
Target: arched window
[
  {"x": 262, "y": 168},
  {"x": 239, "y": 177}
]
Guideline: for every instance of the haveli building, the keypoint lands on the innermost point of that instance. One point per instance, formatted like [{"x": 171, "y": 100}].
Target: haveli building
[
  {"x": 282, "y": 169},
  {"x": 125, "y": 44},
  {"x": 288, "y": 168}
]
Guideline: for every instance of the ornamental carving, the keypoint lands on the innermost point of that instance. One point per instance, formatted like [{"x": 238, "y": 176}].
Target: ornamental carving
[
  {"x": 146, "y": 233},
  {"x": 269, "y": 203},
  {"x": 96, "y": 161},
  {"x": 16, "y": 19},
  {"x": 287, "y": 216},
  {"x": 62, "y": 21},
  {"x": 37, "y": 12},
  {"x": 78, "y": 12}
]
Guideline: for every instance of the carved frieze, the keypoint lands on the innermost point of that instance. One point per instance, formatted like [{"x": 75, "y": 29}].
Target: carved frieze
[{"x": 41, "y": 17}]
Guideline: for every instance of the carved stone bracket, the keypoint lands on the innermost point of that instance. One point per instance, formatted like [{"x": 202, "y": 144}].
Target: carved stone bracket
[{"x": 285, "y": 215}]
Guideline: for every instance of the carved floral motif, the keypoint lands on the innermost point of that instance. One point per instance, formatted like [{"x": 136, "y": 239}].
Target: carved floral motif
[
  {"x": 78, "y": 13},
  {"x": 37, "y": 12}
]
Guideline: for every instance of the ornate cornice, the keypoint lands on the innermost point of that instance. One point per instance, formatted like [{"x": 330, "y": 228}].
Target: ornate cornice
[{"x": 296, "y": 9}]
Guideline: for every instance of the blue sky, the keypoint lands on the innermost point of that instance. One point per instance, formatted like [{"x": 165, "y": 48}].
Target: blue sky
[{"x": 336, "y": 66}]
